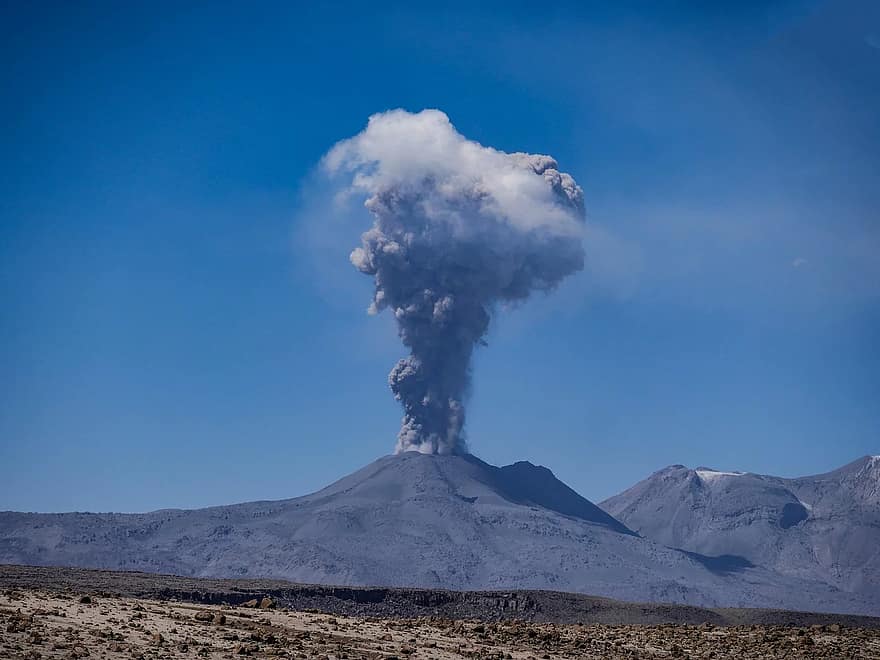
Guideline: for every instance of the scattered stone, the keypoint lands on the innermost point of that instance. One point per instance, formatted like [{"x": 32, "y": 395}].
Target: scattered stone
[
  {"x": 30, "y": 628},
  {"x": 247, "y": 649}
]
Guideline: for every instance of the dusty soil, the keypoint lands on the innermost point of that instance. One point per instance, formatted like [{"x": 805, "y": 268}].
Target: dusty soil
[
  {"x": 75, "y": 613},
  {"x": 37, "y": 624}
]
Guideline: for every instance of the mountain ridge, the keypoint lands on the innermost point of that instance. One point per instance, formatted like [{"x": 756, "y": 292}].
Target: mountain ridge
[
  {"x": 416, "y": 520},
  {"x": 824, "y": 526}
]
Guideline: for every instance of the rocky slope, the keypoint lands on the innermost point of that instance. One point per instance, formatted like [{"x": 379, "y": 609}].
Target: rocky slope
[
  {"x": 823, "y": 527},
  {"x": 415, "y": 520}
]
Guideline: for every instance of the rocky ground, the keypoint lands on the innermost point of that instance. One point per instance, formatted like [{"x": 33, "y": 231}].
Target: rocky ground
[
  {"x": 41, "y": 624},
  {"x": 76, "y": 613}
]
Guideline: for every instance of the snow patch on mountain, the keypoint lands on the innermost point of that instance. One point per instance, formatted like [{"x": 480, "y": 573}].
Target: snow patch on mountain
[
  {"x": 709, "y": 475},
  {"x": 808, "y": 507},
  {"x": 824, "y": 527}
]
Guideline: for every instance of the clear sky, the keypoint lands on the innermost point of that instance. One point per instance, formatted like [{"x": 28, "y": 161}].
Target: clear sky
[{"x": 180, "y": 327}]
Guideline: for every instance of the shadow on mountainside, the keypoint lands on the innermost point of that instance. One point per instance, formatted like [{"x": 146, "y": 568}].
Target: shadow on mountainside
[
  {"x": 524, "y": 483},
  {"x": 721, "y": 563}
]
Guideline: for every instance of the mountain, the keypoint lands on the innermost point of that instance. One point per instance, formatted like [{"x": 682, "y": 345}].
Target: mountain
[
  {"x": 824, "y": 527},
  {"x": 417, "y": 520}
]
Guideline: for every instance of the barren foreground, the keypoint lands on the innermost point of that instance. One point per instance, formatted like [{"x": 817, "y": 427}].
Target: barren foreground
[
  {"x": 42, "y": 624},
  {"x": 76, "y": 613}
]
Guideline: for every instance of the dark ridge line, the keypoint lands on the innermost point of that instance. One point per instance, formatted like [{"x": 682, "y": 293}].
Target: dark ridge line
[{"x": 408, "y": 603}]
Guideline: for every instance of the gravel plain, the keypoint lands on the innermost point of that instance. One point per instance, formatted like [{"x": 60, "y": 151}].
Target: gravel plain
[{"x": 74, "y": 613}]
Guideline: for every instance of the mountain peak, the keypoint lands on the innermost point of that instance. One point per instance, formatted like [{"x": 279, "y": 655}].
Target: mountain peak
[
  {"x": 469, "y": 478},
  {"x": 816, "y": 525}
]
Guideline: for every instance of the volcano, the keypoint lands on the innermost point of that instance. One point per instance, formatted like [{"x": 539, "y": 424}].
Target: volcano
[
  {"x": 822, "y": 527},
  {"x": 439, "y": 521}
]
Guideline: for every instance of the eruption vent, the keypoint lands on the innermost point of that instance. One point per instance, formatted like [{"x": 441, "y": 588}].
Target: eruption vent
[{"x": 457, "y": 228}]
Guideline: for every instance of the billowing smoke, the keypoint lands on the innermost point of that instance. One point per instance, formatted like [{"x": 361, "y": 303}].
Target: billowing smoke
[{"x": 458, "y": 228}]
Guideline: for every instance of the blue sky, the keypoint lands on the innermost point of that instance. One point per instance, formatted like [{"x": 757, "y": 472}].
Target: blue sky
[{"x": 180, "y": 326}]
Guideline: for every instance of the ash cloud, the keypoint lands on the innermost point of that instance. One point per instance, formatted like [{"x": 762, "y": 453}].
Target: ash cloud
[{"x": 458, "y": 228}]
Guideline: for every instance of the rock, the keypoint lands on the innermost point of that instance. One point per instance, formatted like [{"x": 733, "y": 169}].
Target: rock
[
  {"x": 219, "y": 619},
  {"x": 204, "y": 615},
  {"x": 267, "y": 604},
  {"x": 85, "y": 600},
  {"x": 252, "y": 603}
]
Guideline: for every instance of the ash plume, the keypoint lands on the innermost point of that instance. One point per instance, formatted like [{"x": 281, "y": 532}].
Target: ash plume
[{"x": 458, "y": 228}]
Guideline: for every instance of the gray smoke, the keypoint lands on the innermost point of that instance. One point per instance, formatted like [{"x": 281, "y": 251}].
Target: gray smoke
[{"x": 457, "y": 229}]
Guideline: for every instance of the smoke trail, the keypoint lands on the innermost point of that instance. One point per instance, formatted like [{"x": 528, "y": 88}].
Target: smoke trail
[{"x": 457, "y": 228}]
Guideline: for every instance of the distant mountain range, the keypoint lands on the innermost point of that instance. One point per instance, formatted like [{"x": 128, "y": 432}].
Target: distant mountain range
[
  {"x": 457, "y": 522},
  {"x": 824, "y": 527}
]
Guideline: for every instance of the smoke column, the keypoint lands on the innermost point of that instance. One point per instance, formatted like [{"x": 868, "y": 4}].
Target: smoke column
[{"x": 457, "y": 229}]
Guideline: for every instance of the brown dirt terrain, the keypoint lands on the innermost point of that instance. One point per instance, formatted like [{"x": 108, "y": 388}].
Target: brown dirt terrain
[{"x": 75, "y": 613}]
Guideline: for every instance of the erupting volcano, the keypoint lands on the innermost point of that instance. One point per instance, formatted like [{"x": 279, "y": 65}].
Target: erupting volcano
[{"x": 458, "y": 228}]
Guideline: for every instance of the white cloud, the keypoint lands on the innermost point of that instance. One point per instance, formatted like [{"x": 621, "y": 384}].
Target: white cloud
[{"x": 401, "y": 150}]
